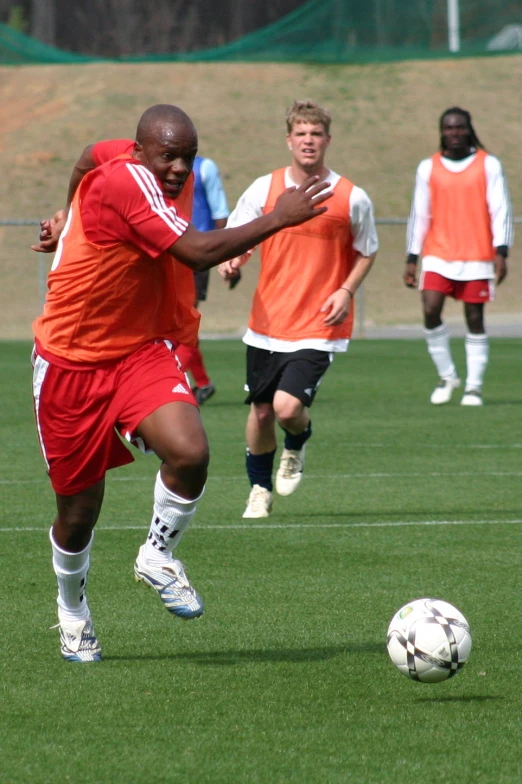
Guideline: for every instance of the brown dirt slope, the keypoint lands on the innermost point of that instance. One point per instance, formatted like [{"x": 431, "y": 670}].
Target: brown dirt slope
[{"x": 385, "y": 121}]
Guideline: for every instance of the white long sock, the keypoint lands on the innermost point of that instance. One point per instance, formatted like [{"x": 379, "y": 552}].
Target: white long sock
[
  {"x": 171, "y": 518},
  {"x": 438, "y": 344},
  {"x": 71, "y": 571},
  {"x": 477, "y": 356}
]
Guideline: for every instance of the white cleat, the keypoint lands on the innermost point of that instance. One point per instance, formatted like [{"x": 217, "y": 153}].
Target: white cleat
[
  {"x": 444, "y": 390},
  {"x": 78, "y": 642},
  {"x": 259, "y": 503},
  {"x": 290, "y": 471},
  {"x": 472, "y": 397},
  {"x": 172, "y": 586}
]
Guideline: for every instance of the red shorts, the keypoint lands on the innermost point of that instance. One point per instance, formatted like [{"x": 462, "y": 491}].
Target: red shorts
[
  {"x": 79, "y": 409},
  {"x": 465, "y": 290}
]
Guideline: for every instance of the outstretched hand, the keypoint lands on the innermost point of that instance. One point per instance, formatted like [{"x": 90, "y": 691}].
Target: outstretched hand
[
  {"x": 50, "y": 230},
  {"x": 297, "y": 205}
]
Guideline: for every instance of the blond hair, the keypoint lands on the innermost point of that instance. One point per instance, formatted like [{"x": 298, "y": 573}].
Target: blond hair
[{"x": 308, "y": 112}]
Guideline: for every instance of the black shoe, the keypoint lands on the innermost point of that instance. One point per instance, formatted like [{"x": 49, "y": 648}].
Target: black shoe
[{"x": 202, "y": 394}]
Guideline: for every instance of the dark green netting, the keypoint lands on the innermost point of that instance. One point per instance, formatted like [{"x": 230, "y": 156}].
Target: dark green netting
[
  {"x": 19, "y": 49},
  {"x": 334, "y": 31}
]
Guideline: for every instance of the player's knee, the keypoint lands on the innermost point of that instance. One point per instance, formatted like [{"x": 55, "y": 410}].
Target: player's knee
[
  {"x": 74, "y": 529},
  {"x": 289, "y": 413},
  {"x": 190, "y": 460},
  {"x": 264, "y": 416},
  {"x": 77, "y": 514},
  {"x": 432, "y": 316},
  {"x": 475, "y": 322}
]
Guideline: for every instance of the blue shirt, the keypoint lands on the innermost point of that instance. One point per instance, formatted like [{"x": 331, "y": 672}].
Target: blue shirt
[{"x": 210, "y": 201}]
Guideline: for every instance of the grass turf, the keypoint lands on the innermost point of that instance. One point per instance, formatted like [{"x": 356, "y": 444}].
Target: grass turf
[{"x": 286, "y": 677}]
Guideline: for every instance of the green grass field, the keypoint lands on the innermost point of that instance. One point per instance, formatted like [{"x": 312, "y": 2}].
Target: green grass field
[{"x": 286, "y": 678}]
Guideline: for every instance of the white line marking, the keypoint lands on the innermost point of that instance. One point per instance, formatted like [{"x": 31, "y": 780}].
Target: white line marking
[
  {"x": 282, "y": 526},
  {"x": 321, "y": 477},
  {"x": 352, "y": 444}
]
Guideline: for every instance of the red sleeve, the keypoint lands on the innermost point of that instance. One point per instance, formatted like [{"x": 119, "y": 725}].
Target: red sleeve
[
  {"x": 124, "y": 203},
  {"x": 107, "y": 150}
]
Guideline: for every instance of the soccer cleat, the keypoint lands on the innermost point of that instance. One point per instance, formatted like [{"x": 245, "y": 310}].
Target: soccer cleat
[
  {"x": 202, "y": 394},
  {"x": 472, "y": 397},
  {"x": 78, "y": 641},
  {"x": 172, "y": 585},
  {"x": 290, "y": 471},
  {"x": 259, "y": 503},
  {"x": 444, "y": 390}
]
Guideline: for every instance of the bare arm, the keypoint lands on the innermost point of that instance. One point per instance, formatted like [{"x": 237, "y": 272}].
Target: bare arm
[
  {"x": 83, "y": 165},
  {"x": 202, "y": 250},
  {"x": 51, "y": 228},
  {"x": 337, "y": 305}
]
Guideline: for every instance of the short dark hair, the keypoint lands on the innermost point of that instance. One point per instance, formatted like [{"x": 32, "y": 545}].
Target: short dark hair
[{"x": 473, "y": 138}]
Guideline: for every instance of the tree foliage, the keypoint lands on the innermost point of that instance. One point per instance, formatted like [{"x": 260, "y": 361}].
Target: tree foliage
[{"x": 110, "y": 28}]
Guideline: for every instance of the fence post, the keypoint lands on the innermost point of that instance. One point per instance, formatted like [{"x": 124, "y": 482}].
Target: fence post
[
  {"x": 453, "y": 26},
  {"x": 359, "y": 311}
]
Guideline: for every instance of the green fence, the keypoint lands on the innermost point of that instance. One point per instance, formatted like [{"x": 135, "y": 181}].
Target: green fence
[{"x": 338, "y": 31}]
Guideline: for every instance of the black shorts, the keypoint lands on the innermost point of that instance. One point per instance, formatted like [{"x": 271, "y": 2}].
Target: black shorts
[
  {"x": 201, "y": 282},
  {"x": 299, "y": 373}
]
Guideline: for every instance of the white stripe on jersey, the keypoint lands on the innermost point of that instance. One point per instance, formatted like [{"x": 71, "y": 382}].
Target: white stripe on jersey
[{"x": 154, "y": 195}]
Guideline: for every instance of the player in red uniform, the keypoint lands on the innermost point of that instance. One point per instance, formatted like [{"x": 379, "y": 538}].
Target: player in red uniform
[{"x": 120, "y": 299}]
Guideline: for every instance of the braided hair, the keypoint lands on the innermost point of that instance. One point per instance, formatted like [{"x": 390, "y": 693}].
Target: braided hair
[{"x": 474, "y": 140}]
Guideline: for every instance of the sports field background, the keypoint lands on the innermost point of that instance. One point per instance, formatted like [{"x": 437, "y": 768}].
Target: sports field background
[
  {"x": 285, "y": 678},
  {"x": 385, "y": 121}
]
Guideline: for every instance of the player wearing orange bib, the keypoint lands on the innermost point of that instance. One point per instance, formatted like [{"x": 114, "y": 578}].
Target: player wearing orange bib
[
  {"x": 120, "y": 299},
  {"x": 302, "y": 311},
  {"x": 461, "y": 221}
]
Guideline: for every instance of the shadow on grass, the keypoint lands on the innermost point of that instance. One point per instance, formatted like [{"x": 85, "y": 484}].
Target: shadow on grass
[
  {"x": 228, "y": 658},
  {"x": 462, "y": 699}
]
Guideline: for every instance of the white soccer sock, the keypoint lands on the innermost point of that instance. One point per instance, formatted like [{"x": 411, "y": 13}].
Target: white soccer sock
[
  {"x": 71, "y": 573},
  {"x": 171, "y": 518},
  {"x": 439, "y": 350},
  {"x": 477, "y": 356}
]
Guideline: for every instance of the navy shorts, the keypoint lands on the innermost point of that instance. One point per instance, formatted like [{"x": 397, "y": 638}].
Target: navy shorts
[{"x": 299, "y": 373}]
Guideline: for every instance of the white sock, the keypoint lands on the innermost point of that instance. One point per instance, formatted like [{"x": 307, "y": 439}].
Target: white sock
[
  {"x": 71, "y": 573},
  {"x": 477, "y": 355},
  {"x": 439, "y": 350},
  {"x": 171, "y": 518}
]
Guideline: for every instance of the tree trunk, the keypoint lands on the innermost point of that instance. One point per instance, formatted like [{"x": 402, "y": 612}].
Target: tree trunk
[{"x": 43, "y": 21}]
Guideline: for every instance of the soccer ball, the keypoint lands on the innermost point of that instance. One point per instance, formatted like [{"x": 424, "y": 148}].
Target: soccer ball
[{"x": 429, "y": 640}]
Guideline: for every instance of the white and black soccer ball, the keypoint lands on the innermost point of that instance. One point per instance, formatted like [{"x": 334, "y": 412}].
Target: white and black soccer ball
[{"x": 429, "y": 640}]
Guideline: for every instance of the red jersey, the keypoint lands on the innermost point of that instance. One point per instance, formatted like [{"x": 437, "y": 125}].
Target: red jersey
[{"x": 115, "y": 287}]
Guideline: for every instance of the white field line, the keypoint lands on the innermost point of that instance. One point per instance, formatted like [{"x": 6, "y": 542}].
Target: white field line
[
  {"x": 395, "y": 445},
  {"x": 432, "y": 446},
  {"x": 283, "y": 526},
  {"x": 322, "y": 477}
]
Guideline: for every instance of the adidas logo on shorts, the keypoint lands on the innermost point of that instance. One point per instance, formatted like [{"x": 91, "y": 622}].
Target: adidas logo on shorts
[{"x": 180, "y": 389}]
